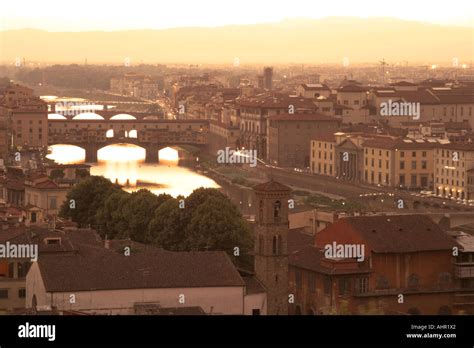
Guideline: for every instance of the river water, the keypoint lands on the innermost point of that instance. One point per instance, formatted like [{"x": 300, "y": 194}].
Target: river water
[{"x": 125, "y": 164}]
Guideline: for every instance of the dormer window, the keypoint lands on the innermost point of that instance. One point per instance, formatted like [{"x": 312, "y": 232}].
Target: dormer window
[{"x": 52, "y": 241}]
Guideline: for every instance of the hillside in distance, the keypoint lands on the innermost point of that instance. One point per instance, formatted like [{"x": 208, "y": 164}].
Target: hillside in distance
[{"x": 326, "y": 40}]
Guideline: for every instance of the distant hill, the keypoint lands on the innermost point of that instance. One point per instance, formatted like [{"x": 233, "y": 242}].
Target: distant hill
[{"x": 297, "y": 41}]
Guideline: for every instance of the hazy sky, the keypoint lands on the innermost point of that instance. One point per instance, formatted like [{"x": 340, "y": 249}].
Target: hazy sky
[{"x": 68, "y": 15}]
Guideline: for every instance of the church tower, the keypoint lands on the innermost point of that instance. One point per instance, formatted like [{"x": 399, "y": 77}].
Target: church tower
[{"x": 271, "y": 240}]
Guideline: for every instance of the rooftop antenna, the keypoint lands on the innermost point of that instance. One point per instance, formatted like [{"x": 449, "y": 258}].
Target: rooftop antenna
[{"x": 383, "y": 63}]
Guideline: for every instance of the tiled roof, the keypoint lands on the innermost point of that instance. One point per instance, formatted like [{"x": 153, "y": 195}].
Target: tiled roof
[
  {"x": 396, "y": 233},
  {"x": 302, "y": 117},
  {"x": 310, "y": 258},
  {"x": 102, "y": 269},
  {"x": 326, "y": 137},
  {"x": 398, "y": 143},
  {"x": 298, "y": 239},
  {"x": 315, "y": 87},
  {"x": 466, "y": 146},
  {"x": 353, "y": 88}
]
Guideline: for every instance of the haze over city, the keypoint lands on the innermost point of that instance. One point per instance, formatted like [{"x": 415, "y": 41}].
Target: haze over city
[{"x": 254, "y": 32}]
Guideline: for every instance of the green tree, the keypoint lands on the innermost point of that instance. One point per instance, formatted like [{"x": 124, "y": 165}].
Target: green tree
[
  {"x": 109, "y": 217},
  {"x": 218, "y": 225},
  {"x": 138, "y": 212},
  {"x": 168, "y": 227},
  {"x": 85, "y": 199}
]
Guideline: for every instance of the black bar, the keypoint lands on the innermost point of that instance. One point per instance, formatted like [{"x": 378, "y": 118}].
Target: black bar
[{"x": 224, "y": 330}]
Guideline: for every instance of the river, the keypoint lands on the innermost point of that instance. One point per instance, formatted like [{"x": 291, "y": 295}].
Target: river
[{"x": 125, "y": 164}]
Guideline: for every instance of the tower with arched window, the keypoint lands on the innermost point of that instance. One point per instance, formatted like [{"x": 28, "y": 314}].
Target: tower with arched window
[{"x": 271, "y": 236}]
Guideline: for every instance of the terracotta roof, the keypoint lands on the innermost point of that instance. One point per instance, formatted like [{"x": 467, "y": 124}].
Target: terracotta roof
[
  {"x": 311, "y": 257},
  {"x": 102, "y": 269},
  {"x": 353, "y": 88},
  {"x": 397, "y": 143},
  {"x": 302, "y": 117},
  {"x": 402, "y": 84},
  {"x": 395, "y": 233},
  {"x": 469, "y": 146},
  {"x": 298, "y": 239},
  {"x": 271, "y": 186},
  {"x": 326, "y": 137},
  {"x": 315, "y": 87}
]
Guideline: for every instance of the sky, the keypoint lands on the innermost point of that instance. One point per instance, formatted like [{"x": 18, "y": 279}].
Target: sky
[{"x": 91, "y": 15}]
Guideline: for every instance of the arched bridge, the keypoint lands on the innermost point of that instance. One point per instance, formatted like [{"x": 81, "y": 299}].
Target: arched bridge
[{"x": 150, "y": 134}]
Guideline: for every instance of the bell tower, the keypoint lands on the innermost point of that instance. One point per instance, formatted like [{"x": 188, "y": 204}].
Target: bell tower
[{"x": 271, "y": 240}]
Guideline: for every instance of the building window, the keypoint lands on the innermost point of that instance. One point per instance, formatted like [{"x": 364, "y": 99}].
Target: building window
[
  {"x": 402, "y": 154},
  {"x": 402, "y": 164},
  {"x": 327, "y": 285},
  {"x": 413, "y": 180},
  {"x": 21, "y": 293},
  {"x": 298, "y": 279},
  {"x": 53, "y": 203},
  {"x": 424, "y": 165},
  {"x": 275, "y": 245},
  {"x": 255, "y": 311},
  {"x": 402, "y": 179},
  {"x": 11, "y": 270},
  {"x": 362, "y": 285},
  {"x": 3, "y": 293},
  {"x": 344, "y": 286},
  {"x": 382, "y": 283},
  {"x": 276, "y": 210},
  {"x": 413, "y": 164}
]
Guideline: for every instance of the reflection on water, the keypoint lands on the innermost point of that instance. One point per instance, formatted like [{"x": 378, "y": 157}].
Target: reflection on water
[{"x": 124, "y": 163}]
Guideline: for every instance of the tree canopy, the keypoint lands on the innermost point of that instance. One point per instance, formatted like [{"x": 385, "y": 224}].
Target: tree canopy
[{"x": 205, "y": 220}]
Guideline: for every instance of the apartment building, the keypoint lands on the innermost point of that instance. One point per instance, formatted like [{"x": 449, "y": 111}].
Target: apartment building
[
  {"x": 398, "y": 162},
  {"x": 403, "y": 255},
  {"x": 454, "y": 166},
  {"x": 289, "y": 137},
  {"x": 254, "y": 112},
  {"x": 25, "y": 117}
]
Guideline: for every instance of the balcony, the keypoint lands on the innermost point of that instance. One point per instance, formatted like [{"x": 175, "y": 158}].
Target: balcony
[{"x": 464, "y": 270}]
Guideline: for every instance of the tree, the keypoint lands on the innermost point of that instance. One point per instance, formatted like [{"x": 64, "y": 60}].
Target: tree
[
  {"x": 109, "y": 217},
  {"x": 218, "y": 225},
  {"x": 85, "y": 199},
  {"x": 168, "y": 227},
  {"x": 138, "y": 212}
]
